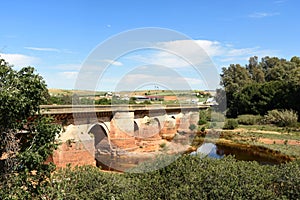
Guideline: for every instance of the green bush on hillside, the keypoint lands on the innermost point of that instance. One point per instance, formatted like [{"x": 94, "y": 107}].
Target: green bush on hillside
[
  {"x": 231, "y": 124},
  {"x": 282, "y": 118}
]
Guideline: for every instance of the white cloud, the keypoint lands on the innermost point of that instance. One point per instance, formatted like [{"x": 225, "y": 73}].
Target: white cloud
[
  {"x": 69, "y": 74},
  {"x": 19, "y": 60},
  {"x": 112, "y": 62},
  {"x": 42, "y": 49},
  {"x": 220, "y": 53},
  {"x": 262, "y": 14}
]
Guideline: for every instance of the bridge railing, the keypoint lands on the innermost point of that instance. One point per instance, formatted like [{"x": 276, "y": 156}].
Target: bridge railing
[{"x": 53, "y": 109}]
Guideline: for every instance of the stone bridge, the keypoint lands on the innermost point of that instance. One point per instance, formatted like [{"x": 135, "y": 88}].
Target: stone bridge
[{"x": 89, "y": 131}]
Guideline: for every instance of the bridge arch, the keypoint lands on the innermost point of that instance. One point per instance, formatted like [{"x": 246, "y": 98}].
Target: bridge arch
[
  {"x": 100, "y": 133},
  {"x": 157, "y": 131}
]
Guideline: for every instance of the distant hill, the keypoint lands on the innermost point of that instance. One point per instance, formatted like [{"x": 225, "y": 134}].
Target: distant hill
[{"x": 58, "y": 92}]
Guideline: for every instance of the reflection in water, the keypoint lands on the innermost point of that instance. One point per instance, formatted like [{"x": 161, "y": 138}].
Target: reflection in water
[
  {"x": 219, "y": 151},
  {"x": 210, "y": 150},
  {"x": 108, "y": 162}
]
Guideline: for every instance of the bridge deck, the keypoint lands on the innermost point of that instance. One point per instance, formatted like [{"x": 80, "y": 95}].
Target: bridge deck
[{"x": 65, "y": 109}]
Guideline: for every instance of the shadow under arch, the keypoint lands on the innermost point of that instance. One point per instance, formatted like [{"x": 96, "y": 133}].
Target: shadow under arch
[
  {"x": 101, "y": 136},
  {"x": 136, "y": 129},
  {"x": 157, "y": 131}
]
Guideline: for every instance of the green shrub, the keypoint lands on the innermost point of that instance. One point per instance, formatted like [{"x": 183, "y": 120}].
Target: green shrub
[
  {"x": 231, "y": 124},
  {"x": 192, "y": 127},
  {"x": 186, "y": 177},
  {"x": 213, "y": 125},
  {"x": 163, "y": 145},
  {"x": 217, "y": 117},
  {"x": 204, "y": 115},
  {"x": 249, "y": 119},
  {"x": 282, "y": 118},
  {"x": 202, "y": 121}
]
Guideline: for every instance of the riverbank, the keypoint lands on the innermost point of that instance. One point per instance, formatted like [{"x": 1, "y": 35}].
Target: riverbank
[{"x": 281, "y": 145}]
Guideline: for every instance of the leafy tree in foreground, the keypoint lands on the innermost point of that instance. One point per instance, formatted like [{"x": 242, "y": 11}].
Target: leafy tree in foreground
[{"x": 27, "y": 139}]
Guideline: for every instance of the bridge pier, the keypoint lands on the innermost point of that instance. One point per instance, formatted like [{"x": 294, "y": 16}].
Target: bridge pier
[
  {"x": 77, "y": 147},
  {"x": 122, "y": 130}
]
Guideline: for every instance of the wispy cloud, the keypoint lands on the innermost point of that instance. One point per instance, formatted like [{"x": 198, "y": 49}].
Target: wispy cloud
[
  {"x": 263, "y": 14},
  {"x": 72, "y": 66},
  {"x": 69, "y": 74},
  {"x": 112, "y": 62},
  {"x": 280, "y": 1},
  {"x": 220, "y": 53},
  {"x": 20, "y": 60},
  {"x": 42, "y": 49}
]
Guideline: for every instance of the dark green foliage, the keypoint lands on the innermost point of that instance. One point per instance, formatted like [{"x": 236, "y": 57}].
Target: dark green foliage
[
  {"x": 86, "y": 183},
  {"x": 204, "y": 116},
  {"x": 259, "y": 87},
  {"x": 26, "y": 137},
  {"x": 103, "y": 101},
  {"x": 202, "y": 122},
  {"x": 188, "y": 177},
  {"x": 231, "y": 124}
]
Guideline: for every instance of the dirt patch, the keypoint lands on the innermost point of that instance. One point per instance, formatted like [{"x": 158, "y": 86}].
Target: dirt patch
[
  {"x": 279, "y": 141},
  {"x": 268, "y": 132}
]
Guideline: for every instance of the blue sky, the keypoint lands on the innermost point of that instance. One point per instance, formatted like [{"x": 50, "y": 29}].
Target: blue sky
[{"x": 56, "y": 37}]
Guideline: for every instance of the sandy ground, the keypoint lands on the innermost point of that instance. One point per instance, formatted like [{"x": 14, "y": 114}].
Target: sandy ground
[{"x": 278, "y": 141}]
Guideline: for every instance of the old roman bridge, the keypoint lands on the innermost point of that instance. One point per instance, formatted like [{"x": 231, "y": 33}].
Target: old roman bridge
[{"x": 116, "y": 129}]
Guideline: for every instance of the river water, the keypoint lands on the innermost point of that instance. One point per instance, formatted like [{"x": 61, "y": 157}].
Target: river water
[{"x": 219, "y": 151}]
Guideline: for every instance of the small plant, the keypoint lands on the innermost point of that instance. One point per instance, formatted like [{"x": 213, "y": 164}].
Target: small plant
[
  {"x": 69, "y": 142},
  {"x": 163, "y": 145},
  {"x": 203, "y": 117},
  {"x": 181, "y": 132},
  {"x": 202, "y": 129},
  {"x": 202, "y": 121},
  {"x": 285, "y": 142},
  {"x": 231, "y": 124},
  {"x": 192, "y": 127}
]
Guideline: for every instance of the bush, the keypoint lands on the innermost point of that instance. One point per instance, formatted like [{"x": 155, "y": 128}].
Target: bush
[
  {"x": 231, "y": 124},
  {"x": 282, "y": 118},
  {"x": 202, "y": 122},
  {"x": 203, "y": 117},
  {"x": 249, "y": 119},
  {"x": 192, "y": 127},
  {"x": 217, "y": 117},
  {"x": 187, "y": 177}
]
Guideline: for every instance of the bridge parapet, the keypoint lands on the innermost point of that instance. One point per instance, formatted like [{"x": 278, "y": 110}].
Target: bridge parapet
[{"x": 56, "y": 109}]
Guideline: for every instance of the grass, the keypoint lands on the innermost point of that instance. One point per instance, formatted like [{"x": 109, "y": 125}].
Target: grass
[
  {"x": 272, "y": 128},
  {"x": 252, "y": 138}
]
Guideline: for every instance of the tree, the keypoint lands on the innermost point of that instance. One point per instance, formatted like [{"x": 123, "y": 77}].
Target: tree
[
  {"x": 27, "y": 139},
  {"x": 233, "y": 79},
  {"x": 258, "y": 87}
]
